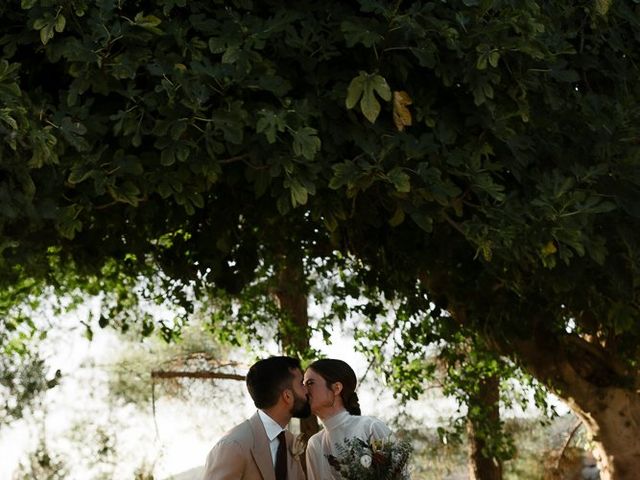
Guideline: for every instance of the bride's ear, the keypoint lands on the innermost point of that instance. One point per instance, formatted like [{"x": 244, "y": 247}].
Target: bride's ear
[{"x": 337, "y": 388}]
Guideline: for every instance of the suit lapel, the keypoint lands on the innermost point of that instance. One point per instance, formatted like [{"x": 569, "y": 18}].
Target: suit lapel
[{"x": 260, "y": 451}]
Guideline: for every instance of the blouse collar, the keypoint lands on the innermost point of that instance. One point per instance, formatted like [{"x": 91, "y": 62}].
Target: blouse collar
[{"x": 336, "y": 420}]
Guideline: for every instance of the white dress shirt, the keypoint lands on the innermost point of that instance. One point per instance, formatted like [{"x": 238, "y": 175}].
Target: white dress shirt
[{"x": 273, "y": 429}]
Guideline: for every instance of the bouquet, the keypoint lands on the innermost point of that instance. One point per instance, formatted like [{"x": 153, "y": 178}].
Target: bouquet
[{"x": 376, "y": 459}]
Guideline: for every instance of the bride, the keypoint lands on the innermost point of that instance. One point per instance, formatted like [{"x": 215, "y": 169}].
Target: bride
[{"x": 331, "y": 388}]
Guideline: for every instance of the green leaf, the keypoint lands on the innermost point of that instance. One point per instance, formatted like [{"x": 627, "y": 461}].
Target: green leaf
[
  {"x": 128, "y": 192},
  {"x": 232, "y": 122},
  {"x": 275, "y": 84},
  {"x": 381, "y": 87},
  {"x": 68, "y": 223},
  {"x": 363, "y": 32},
  {"x": 494, "y": 57},
  {"x": 217, "y": 45},
  {"x": 343, "y": 174},
  {"x": 46, "y": 33},
  {"x": 484, "y": 56},
  {"x": 164, "y": 189},
  {"x": 369, "y": 105},
  {"x": 79, "y": 173},
  {"x": 60, "y": 23},
  {"x": 484, "y": 182},
  {"x": 424, "y": 221},
  {"x": 40, "y": 23},
  {"x": 197, "y": 199},
  {"x": 182, "y": 152},
  {"x": 270, "y": 123},
  {"x": 306, "y": 142},
  {"x": 26, "y": 182},
  {"x": 151, "y": 20},
  {"x": 426, "y": 55},
  {"x": 88, "y": 332},
  {"x": 167, "y": 157},
  {"x": 354, "y": 92},
  {"x": 73, "y": 132},
  {"x": 231, "y": 55},
  {"x": 8, "y": 119},
  {"x": 399, "y": 179},
  {"x": 299, "y": 194},
  {"x": 148, "y": 22},
  {"x": 398, "y": 217}
]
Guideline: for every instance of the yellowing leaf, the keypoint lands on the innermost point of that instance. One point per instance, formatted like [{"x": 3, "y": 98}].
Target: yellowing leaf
[
  {"x": 401, "y": 114},
  {"x": 549, "y": 249},
  {"x": 148, "y": 22},
  {"x": 602, "y": 6},
  {"x": 398, "y": 217}
]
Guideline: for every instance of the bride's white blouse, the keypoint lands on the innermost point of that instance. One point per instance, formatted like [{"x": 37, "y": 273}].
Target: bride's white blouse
[{"x": 341, "y": 426}]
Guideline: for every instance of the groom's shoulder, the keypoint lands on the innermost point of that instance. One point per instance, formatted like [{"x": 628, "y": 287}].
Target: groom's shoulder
[{"x": 240, "y": 431}]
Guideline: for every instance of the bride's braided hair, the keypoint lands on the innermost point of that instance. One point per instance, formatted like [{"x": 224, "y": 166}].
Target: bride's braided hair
[{"x": 333, "y": 370}]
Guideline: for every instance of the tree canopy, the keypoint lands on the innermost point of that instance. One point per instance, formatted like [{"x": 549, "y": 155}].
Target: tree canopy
[{"x": 478, "y": 154}]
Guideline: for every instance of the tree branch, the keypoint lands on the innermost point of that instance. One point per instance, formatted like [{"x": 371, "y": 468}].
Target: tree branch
[{"x": 197, "y": 374}]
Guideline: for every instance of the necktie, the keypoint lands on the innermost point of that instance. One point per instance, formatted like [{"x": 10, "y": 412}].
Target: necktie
[{"x": 281, "y": 458}]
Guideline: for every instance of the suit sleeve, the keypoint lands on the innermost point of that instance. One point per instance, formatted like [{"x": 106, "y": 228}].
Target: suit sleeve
[{"x": 226, "y": 461}]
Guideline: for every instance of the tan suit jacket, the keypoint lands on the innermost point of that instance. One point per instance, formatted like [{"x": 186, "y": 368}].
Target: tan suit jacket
[{"x": 243, "y": 454}]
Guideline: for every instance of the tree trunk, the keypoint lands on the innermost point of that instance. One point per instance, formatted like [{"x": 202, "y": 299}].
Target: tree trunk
[
  {"x": 588, "y": 375},
  {"x": 608, "y": 401},
  {"x": 291, "y": 293},
  {"x": 487, "y": 399},
  {"x": 614, "y": 424},
  {"x": 612, "y": 417}
]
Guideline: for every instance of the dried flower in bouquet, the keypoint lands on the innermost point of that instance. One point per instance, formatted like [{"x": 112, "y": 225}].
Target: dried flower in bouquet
[{"x": 376, "y": 459}]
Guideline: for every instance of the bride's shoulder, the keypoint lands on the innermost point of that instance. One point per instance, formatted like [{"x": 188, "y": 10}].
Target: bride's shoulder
[
  {"x": 376, "y": 426},
  {"x": 370, "y": 420},
  {"x": 315, "y": 438}
]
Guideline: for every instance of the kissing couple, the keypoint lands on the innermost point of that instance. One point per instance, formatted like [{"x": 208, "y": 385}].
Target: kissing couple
[{"x": 260, "y": 448}]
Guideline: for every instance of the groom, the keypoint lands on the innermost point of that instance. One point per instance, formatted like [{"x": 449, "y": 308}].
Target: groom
[{"x": 259, "y": 448}]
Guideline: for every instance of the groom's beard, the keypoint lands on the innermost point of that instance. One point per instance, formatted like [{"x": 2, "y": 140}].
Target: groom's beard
[{"x": 301, "y": 407}]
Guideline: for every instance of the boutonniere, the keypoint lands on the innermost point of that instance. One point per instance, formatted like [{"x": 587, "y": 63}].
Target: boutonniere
[{"x": 298, "y": 445}]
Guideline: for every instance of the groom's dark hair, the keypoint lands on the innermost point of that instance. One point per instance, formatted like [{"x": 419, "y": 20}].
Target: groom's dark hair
[{"x": 268, "y": 378}]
